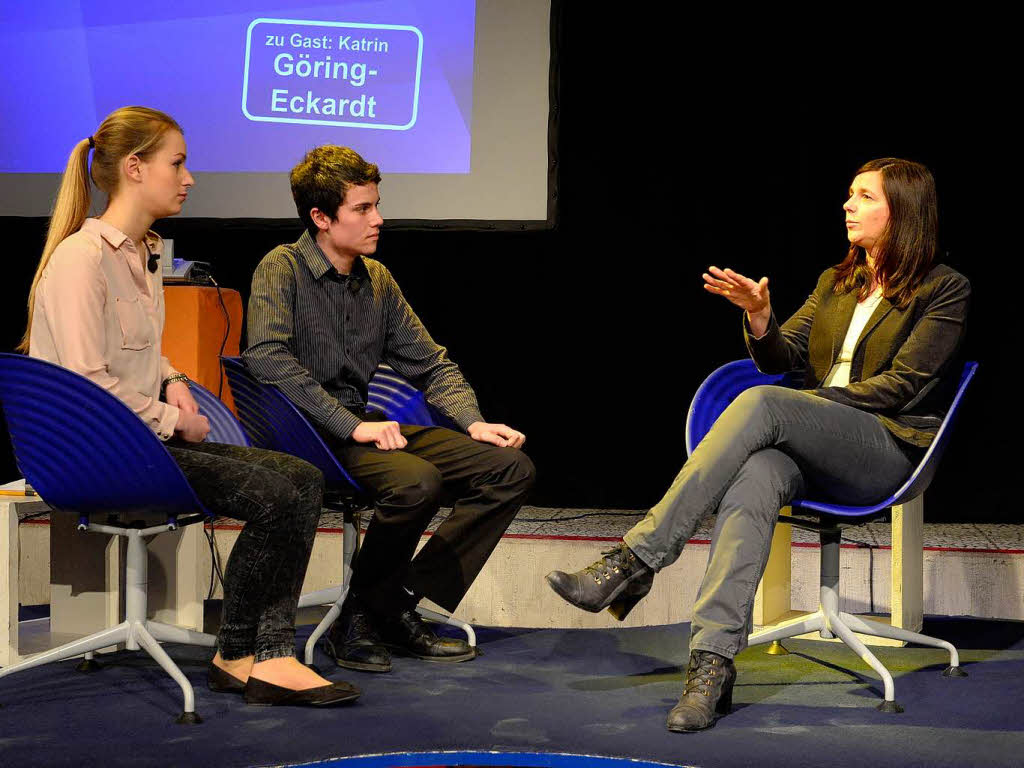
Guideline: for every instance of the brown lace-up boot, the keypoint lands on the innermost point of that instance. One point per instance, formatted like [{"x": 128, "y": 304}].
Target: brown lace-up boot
[
  {"x": 618, "y": 581},
  {"x": 707, "y": 694}
]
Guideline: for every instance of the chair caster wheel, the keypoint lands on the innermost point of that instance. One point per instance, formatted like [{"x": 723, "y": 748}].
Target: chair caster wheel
[
  {"x": 189, "y": 718},
  {"x": 88, "y": 666},
  {"x": 953, "y": 672},
  {"x": 889, "y": 706}
]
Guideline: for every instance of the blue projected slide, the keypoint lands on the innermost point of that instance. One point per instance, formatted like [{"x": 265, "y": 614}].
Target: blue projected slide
[{"x": 254, "y": 85}]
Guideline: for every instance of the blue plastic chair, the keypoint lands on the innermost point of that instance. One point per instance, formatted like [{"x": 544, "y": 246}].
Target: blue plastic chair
[
  {"x": 400, "y": 401},
  {"x": 712, "y": 398},
  {"x": 273, "y": 422},
  {"x": 224, "y": 427},
  {"x": 71, "y": 439}
]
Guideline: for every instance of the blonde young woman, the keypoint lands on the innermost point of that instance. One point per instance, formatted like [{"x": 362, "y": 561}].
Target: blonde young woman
[{"x": 96, "y": 307}]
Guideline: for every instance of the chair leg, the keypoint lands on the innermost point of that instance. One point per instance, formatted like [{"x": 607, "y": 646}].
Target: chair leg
[
  {"x": 813, "y": 623},
  {"x": 846, "y": 635},
  {"x": 336, "y": 595},
  {"x": 168, "y": 633},
  {"x": 323, "y": 626},
  {"x": 94, "y": 642},
  {"x": 321, "y": 597},
  {"x": 450, "y": 620},
  {"x": 152, "y": 647},
  {"x": 878, "y": 629}
]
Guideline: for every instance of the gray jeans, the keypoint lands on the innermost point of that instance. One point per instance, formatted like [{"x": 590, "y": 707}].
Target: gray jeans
[{"x": 771, "y": 445}]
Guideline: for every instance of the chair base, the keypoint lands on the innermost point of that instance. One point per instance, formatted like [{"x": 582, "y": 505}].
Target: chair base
[
  {"x": 136, "y": 631},
  {"x": 133, "y": 635},
  {"x": 843, "y": 625}
]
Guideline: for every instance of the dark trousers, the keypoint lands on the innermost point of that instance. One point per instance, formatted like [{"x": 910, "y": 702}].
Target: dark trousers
[
  {"x": 485, "y": 485},
  {"x": 279, "y": 497}
]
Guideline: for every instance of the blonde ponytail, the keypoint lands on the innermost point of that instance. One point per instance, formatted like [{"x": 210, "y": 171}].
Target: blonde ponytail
[
  {"x": 69, "y": 211},
  {"x": 125, "y": 132}
]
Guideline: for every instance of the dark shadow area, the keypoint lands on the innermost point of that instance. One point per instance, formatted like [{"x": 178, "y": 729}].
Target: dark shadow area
[{"x": 968, "y": 632}]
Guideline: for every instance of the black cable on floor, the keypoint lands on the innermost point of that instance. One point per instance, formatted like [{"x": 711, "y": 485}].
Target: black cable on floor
[{"x": 216, "y": 573}]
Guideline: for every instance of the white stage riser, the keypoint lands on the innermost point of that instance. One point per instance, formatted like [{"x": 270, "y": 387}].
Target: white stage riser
[{"x": 511, "y": 590}]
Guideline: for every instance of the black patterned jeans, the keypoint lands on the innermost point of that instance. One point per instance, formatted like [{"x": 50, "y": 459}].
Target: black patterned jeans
[{"x": 279, "y": 497}]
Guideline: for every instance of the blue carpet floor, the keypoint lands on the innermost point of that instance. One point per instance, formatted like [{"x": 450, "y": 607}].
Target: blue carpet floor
[{"x": 589, "y": 692}]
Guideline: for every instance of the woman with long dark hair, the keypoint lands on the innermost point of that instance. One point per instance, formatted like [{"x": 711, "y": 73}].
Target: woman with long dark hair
[
  {"x": 96, "y": 307},
  {"x": 876, "y": 342}
]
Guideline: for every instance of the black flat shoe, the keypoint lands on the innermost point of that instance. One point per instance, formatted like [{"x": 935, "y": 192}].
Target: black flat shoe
[
  {"x": 353, "y": 641},
  {"x": 408, "y": 633},
  {"x": 618, "y": 581},
  {"x": 223, "y": 682},
  {"x": 260, "y": 693}
]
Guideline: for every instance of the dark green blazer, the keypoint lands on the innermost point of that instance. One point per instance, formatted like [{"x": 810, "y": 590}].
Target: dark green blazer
[{"x": 905, "y": 368}]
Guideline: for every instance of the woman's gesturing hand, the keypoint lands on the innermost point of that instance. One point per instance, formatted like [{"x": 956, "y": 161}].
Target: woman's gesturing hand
[{"x": 745, "y": 293}]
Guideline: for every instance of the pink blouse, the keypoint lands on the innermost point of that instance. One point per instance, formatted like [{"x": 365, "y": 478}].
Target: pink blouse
[{"x": 99, "y": 312}]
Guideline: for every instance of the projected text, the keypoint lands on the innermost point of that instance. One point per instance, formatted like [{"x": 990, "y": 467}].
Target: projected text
[{"x": 332, "y": 73}]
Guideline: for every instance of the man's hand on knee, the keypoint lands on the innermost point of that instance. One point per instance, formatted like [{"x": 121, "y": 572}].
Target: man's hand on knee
[
  {"x": 496, "y": 434},
  {"x": 386, "y": 435}
]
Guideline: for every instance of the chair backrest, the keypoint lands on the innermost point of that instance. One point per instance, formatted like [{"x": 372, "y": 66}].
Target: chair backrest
[
  {"x": 725, "y": 384},
  {"x": 224, "y": 427},
  {"x": 271, "y": 421},
  {"x": 720, "y": 388},
  {"x": 82, "y": 449},
  {"x": 400, "y": 401},
  {"x": 922, "y": 476}
]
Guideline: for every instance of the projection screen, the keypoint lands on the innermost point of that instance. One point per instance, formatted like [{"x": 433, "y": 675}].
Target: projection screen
[{"x": 451, "y": 98}]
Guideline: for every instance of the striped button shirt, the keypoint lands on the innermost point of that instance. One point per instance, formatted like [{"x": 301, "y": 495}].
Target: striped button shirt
[{"x": 319, "y": 336}]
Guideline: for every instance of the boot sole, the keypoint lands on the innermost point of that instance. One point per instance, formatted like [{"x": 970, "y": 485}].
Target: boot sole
[
  {"x": 718, "y": 716},
  {"x": 694, "y": 730},
  {"x": 361, "y": 666},
  {"x": 402, "y": 651}
]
